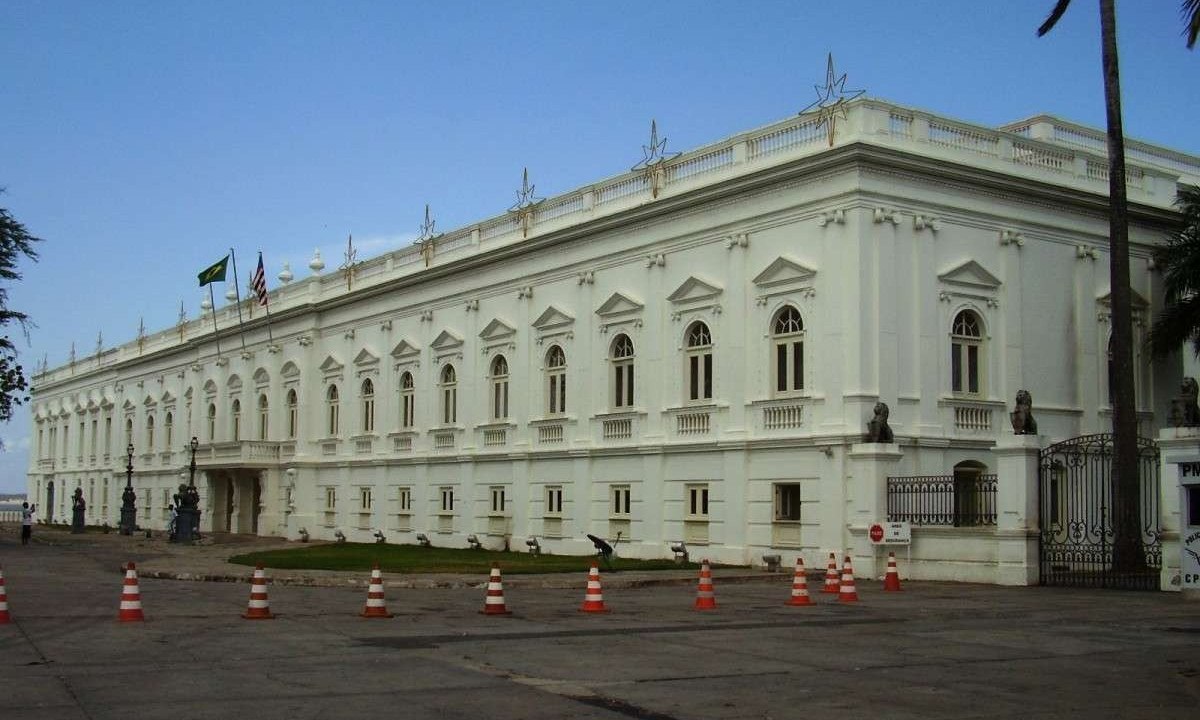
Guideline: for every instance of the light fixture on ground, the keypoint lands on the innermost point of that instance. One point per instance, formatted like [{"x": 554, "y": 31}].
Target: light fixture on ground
[
  {"x": 474, "y": 542},
  {"x": 303, "y": 535},
  {"x": 772, "y": 562},
  {"x": 535, "y": 547},
  {"x": 423, "y": 540},
  {"x": 187, "y": 503},
  {"x": 129, "y": 497},
  {"x": 339, "y": 536},
  {"x": 680, "y": 550},
  {"x": 380, "y": 537}
]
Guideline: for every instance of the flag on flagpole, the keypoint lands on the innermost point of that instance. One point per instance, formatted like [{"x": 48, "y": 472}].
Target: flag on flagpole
[
  {"x": 258, "y": 282},
  {"x": 214, "y": 272}
]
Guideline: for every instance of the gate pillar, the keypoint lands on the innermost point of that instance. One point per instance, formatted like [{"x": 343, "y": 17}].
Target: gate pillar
[
  {"x": 1017, "y": 509},
  {"x": 871, "y": 465},
  {"x": 1177, "y": 446}
]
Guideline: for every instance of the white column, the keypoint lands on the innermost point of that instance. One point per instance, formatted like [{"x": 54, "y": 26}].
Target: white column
[
  {"x": 1017, "y": 509},
  {"x": 866, "y": 499}
]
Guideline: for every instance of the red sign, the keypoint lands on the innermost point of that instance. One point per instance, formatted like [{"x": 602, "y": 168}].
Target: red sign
[{"x": 876, "y": 533}]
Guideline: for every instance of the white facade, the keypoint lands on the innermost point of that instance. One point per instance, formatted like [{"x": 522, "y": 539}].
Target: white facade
[{"x": 759, "y": 296}]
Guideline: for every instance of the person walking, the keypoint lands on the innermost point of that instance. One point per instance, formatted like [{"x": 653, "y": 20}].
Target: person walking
[{"x": 27, "y": 512}]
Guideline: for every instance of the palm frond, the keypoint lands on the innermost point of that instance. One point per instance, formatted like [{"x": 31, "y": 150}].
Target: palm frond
[
  {"x": 1060, "y": 7},
  {"x": 1191, "y": 17},
  {"x": 1175, "y": 326}
]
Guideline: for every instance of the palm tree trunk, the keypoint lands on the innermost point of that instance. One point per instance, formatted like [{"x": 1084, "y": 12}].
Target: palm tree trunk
[{"x": 1128, "y": 553}]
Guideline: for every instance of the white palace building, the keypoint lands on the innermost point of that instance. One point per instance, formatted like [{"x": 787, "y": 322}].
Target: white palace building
[{"x": 687, "y": 352}]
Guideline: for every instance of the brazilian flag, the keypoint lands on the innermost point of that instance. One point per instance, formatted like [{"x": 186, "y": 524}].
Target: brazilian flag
[{"x": 214, "y": 272}]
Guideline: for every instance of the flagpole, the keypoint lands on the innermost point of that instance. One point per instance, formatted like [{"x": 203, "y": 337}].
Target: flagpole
[
  {"x": 238, "y": 295},
  {"x": 266, "y": 305},
  {"x": 216, "y": 335}
]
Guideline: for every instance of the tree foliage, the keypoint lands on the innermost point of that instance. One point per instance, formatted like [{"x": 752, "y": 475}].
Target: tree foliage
[
  {"x": 15, "y": 242},
  {"x": 1179, "y": 261}
]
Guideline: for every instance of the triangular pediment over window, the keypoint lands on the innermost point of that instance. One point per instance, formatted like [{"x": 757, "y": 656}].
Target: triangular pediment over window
[
  {"x": 553, "y": 318},
  {"x": 695, "y": 289},
  {"x": 405, "y": 349},
  {"x": 331, "y": 365},
  {"x": 167, "y": 397},
  {"x": 446, "y": 340},
  {"x": 497, "y": 329},
  {"x": 1135, "y": 300},
  {"x": 261, "y": 377},
  {"x": 619, "y": 304},
  {"x": 210, "y": 387},
  {"x": 970, "y": 274},
  {"x": 128, "y": 406},
  {"x": 784, "y": 271},
  {"x": 234, "y": 383},
  {"x": 290, "y": 370},
  {"x": 366, "y": 357}
]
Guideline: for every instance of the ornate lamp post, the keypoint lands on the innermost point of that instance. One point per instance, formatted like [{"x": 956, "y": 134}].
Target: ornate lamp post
[
  {"x": 129, "y": 497},
  {"x": 187, "y": 522}
]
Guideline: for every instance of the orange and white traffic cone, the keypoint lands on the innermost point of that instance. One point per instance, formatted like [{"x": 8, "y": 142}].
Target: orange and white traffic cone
[
  {"x": 705, "y": 597},
  {"x": 375, "y": 607},
  {"x": 891, "y": 581},
  {"x": 800, "y": 585},
  {"x": 259, "y": 607},
  {"x": 847, "y": 593},
  {"x": 4, "y": 617},
  {"x": 131, "y": 597},
  {"x": 493, "y": 604},
  {"x": 831, "y": 577},
  {"x": 593, "y": 598}
]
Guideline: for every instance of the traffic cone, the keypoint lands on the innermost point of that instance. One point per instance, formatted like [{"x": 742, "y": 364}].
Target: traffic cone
[
  {"x": 705, "y": 598},
  {"x": 131, "y": 597},
  {"x": 847, "y": 593},
  {"x": 891, "y": 581},
  {"x": 800, "y": 585},
  {"x": 831, "y": 577},
  {"x": 493, "y": 604},
  {"x": 4, "y": 617},
  {"x": 375, "y": 607},
  {"x": 593, "y": 599},
  {"x": 259, "y": 607}
]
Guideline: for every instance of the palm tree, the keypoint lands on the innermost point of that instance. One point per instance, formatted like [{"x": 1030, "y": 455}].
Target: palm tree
[
  {"x": 1128, "y": 553},
  {"x": 1179, "y": 259}
]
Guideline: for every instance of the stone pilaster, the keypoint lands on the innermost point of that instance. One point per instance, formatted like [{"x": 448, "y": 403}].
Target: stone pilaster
[
  {"x": 1017, "y": 509},
  {"x": 866, "y": 499}
]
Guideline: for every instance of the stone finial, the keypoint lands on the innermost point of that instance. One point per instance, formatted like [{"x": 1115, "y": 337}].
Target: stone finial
[
  {"x": 1022, "y": 414},
  {"x": 878, "y": 430}
]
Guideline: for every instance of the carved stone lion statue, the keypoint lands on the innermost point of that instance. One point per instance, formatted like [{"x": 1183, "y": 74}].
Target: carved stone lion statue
[
  {"x": 1022, "y": 415},
  {"x": 878, "y": 430}
]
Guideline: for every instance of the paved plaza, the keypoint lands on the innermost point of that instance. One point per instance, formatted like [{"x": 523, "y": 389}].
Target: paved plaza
[{"x": 936, "y": 650}]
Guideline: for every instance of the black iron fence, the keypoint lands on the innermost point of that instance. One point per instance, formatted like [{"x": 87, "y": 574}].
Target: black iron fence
[{"x": 946, "y": 500}]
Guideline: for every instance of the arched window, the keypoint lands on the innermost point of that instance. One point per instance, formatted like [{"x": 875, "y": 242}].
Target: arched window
[
  {"x": 966, "y": 343},
  {"x": 368, "y": 406},
  {"x": 149, "y": 433},
  {"x": 787, "y": 340},
  {"x": 293, "y": 411},
  {"x": 699, "y": 363},
  {"x": 621, "y": 356},
  {"x": 331, "y": 402},
  {"x": 407, "y": 401},
  {"x": 974, "y": 495},
  {"x": 236, "y": 425},
  {"x": 212, "y": 422},
  {"x": 449, "y": 388},
  {"x": 499, "y": 380},
  {"x": 556, "y": 376},
  {"x": 168, "y": 431},
  {"x": 263, "y": 417}
]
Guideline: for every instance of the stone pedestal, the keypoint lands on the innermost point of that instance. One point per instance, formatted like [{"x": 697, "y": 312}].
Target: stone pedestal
[
  {"x": 866, "y": 503},
  {"x": 1176, "y": 446},
  {"x": 128, "y": 511},
  {"x": 187, "y": 525},
  {"x": 1017, "y": 509},
  {"x": 78, "y": 524}
]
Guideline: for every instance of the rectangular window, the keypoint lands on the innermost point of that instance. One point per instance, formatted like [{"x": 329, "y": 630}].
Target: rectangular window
[
  {"x": 620, "y": 387},
  {"x": 330, "y": 498},
  {"x": 407, "y": 416},
  {"x": 369, "y": 415},
  {"x": 447, "y": 500},
  {"x": 694, "y": 377},
  {"x": 956, "y": 383},
  {"x": 781, "y": 376},
  {"x": 697, "y": 501},
  {"x": 620, "y": 500},
  {"x": 107, "y": 434},
  {"x": 554, "y": 497},
  {"x": 364, "y": 499},
  {"x": 82, "y": 426},
  {"x": 797, "y": 366},
  {"x": 787, "y": 501},
  {"x": 497, "y": 500},
  {"x": 708, "y": 393},
  {"x": 292, "y": 416},
  {"x": 972, "y": 368},
  {"x": 404, "y": 499}
]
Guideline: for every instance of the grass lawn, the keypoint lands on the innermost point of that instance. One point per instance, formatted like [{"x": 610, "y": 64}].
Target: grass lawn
[{"x": 417, "y": 559}]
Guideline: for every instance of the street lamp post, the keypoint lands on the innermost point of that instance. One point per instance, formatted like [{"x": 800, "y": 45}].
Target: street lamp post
[
  {"x": 129, "y": 497},
  {"x": 187, "y": 522}
]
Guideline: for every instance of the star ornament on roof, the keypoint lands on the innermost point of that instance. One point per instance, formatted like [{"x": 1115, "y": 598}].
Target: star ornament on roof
[
  {"x": 831, "y": 99},
  {"x": 526, "y": 202},
  {"x": 655, "y": 155},
  {"x": 426, "y": 236}
]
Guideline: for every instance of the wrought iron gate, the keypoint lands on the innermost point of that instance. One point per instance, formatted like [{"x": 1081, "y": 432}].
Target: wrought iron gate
[{"x": 1076, "y": 545}]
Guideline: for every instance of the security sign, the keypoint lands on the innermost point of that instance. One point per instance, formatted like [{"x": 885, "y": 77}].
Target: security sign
[
  {"x": 890, "y": 533},
  {"x": 1189, "y": 566}
]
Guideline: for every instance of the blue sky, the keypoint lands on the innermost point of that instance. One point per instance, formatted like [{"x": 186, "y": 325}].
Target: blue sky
[{"x": 141, "y": 140}]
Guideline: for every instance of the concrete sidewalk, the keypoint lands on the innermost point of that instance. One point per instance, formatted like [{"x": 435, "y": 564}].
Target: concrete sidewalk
[{"x": 208, "y": 561}]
